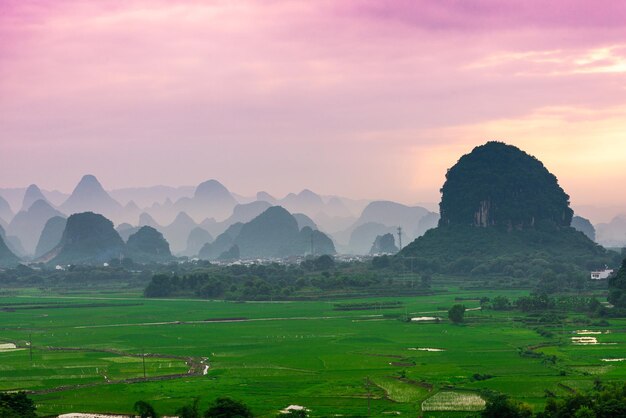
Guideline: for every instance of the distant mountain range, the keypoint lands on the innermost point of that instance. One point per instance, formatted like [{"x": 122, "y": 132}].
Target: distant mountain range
[
  {"x": 613, "y": 233},
  {"x": 28, "y": 224},
  {"x": 189, "y": 217},
  {"x": 275, "y": 233}
]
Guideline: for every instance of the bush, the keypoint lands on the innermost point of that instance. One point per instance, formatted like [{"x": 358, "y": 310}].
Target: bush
[{"x": 228, "y": 408}]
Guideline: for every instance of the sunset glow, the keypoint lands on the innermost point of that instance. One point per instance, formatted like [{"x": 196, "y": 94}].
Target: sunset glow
[{"x": 364, "y": 99}]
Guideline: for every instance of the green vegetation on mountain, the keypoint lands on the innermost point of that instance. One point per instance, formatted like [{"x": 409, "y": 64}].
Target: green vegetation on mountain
[
  {"x": 504, "y": 214},
  {"x": 499, "y": 184},
  {"x": 585, "y": 226},
  {"x": 532, "y": 253},
  {"x": 271, "y": 234},
  {"x": 88, "y": 238},
  {"x": 7, "y": 258},
  {"x": 314, "y": 242},
  {"x": 148, "y": 244},
  {"x": 384, "y": 244},
  {"x": 51, "y": 235}
]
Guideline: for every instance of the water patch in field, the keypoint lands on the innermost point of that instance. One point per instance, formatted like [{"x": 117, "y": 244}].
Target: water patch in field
[
  {"x": 589, "y": 332},
  {"x": 426, "y": 349},
  {"x": 82, "y": 415},
  {"x": 588, "y": 341},
  {"x": 613, "y": 359},
  {"x": 425, "y": 318},
  {"x": 585, "y": 340},
  {"x": 293, "y": 408},
  {"x": 4, "y": 347}
]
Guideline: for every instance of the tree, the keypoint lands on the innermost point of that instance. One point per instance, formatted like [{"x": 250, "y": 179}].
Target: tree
[
  {"x": 617, "y": 287},
  {"x": 228, "y": 408},
  {"x": 501, "y": 303},
  {"x": 189, "y": 411},
  {"x": 16, "y": 405},
  {"x": 500, "y": 406},
  {"x": 585, "y": 412},
  {"x": 324, "y": 262},
  {"x": 145, "y": 410},
  {"x": 456, "y": 313}
]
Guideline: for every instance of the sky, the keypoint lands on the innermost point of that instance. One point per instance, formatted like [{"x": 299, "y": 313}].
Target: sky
[{"x": 364, "y": 99}]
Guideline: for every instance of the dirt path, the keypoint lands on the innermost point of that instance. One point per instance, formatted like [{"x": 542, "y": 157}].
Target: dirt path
[
  {"x": 217, "y": 321},
  {"x": 198, "y": 366}
]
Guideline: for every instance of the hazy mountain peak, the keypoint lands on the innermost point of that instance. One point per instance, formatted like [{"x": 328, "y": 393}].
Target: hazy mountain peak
[
  {"x": 27, "y": 225},
  {"x": 88, "y": 182},
  {"x": 247, "y": 211},
  {"x": 40, "y": 205},
  {"x": 265, "y": 196},
  {"x": 308, "y": 193},
  {"x": 274, "y": 211},
  {"x": 131, "y": 206},
  {"x": 31, "y": 195},
  {"x": 6, "y": 213},
  {"x": 89, "y": 195},
  {"x": 212, "y": 189},
  {"x": 182, "y": 217},
  {"x": 146, "y": 219}
]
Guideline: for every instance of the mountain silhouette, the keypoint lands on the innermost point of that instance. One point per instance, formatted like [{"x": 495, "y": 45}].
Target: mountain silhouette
[
  {"x": 31, "y": 195},
  {"x": 89, "y": 195},
  {"x": 27, "y": 225},
  {"x": 50, "y": 235},
  {"x": 7, "y": 258},
  {"x": 88, "y": 238},
  {"x": 148, "y": 245}
]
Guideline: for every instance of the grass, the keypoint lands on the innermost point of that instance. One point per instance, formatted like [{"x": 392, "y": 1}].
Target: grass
[{"x": 304, "y": 353}]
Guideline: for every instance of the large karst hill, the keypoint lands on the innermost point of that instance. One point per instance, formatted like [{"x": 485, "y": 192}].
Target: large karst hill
[{"x": 504, "y": 213}]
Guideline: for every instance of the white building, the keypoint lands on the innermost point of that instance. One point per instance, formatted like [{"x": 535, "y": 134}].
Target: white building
[{"x": 601, "y": 275}]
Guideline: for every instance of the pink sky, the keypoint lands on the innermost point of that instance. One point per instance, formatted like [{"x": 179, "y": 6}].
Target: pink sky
[{"x": 372, "y": 99}]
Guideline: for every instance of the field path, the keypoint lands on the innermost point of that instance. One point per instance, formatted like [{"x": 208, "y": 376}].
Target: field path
[
  {"x": 198, "y": 366},
  {"x": 227, "y": 320}
]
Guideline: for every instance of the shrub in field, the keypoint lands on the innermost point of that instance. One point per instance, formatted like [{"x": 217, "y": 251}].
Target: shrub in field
[
  {"x": 456, "y": 313},
  {"x": 189, "y": 411},
  {"x": 500, "y": 406},
  {"x": 228, "y": 408},
  {"x": 145, "y": 410},
  {"x": 16, "y": 405}
]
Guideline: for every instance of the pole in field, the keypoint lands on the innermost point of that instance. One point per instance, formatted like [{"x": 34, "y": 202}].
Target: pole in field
[
  {"x": 367, "y": 385},
  {"x": 143, "y": 361}
]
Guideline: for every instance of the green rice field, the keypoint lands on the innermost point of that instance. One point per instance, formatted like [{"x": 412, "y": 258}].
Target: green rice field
[{"x": 89, "y": 353}]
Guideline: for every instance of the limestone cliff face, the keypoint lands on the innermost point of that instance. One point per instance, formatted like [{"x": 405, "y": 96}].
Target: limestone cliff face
[
  {"x": 482, "y": 216},
  {"x": 500, "y": 185}
]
